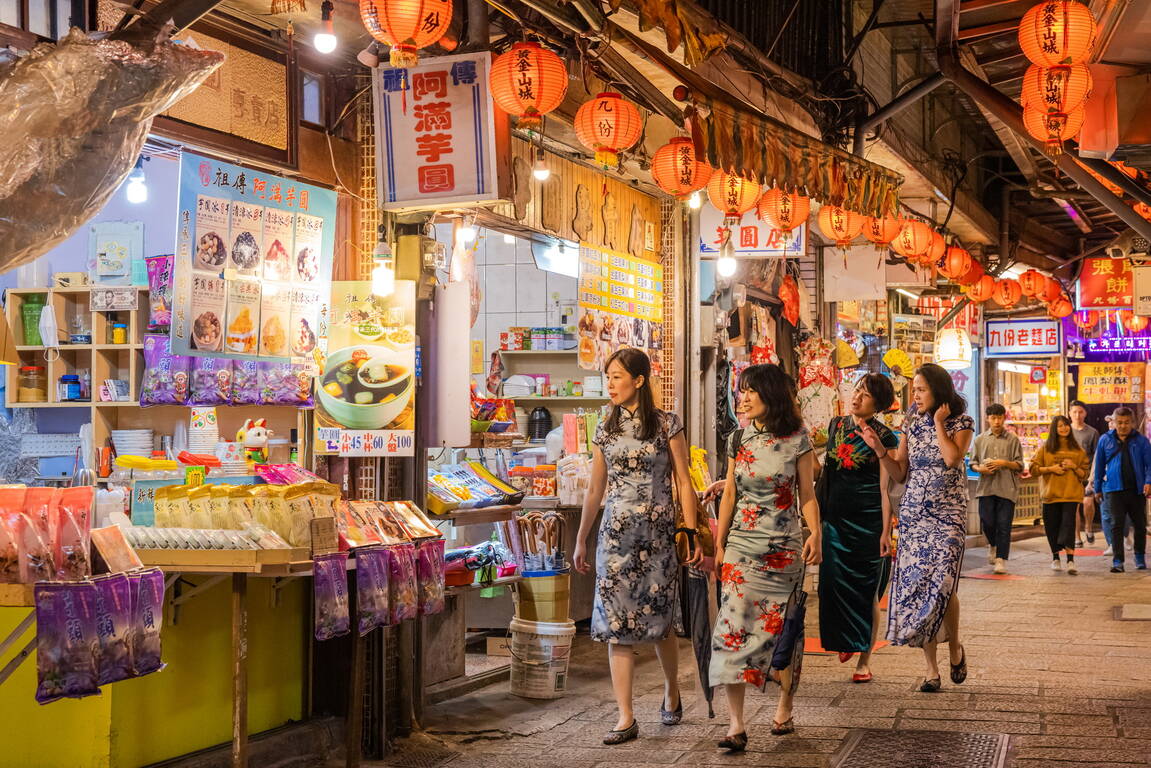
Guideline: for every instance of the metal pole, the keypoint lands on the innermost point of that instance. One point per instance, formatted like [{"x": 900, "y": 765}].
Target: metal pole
[{"x": 897, "y": 105}]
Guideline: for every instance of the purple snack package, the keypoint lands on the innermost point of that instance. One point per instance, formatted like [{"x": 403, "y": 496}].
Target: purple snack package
[
  {"x": 402, "y": 582},
  {"x": 147, "y": 595},
  {"x": 245, "y": 383},
  {"x": 211, "y": 381},
  {"x": 113, "y": 627},
  {"x": 159, "y": 293},
  {"x": 66, "y": 641},
  {"x": 430, "y": 575},
  {"x": 165, "y": 375},
  {"x": 285, "y": 384},
  {"x": 331, "y": 597},
  {"x": 372, "y": 588}
]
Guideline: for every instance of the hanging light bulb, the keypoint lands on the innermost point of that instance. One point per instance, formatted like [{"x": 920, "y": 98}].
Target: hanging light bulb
[
  {"x": 137, "y": 189},
  {"x": 383, "y": 269},
  {"x": 325, "y": 40},
  {"x": 467, "y": 232},
  {"x": 540, "y": 168},
  {"x": 694, "y": 201},
  {"x": 725, "y": 266}
]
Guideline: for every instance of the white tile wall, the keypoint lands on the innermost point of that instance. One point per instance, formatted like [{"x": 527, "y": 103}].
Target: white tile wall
[{"x": 500, "y": 287}]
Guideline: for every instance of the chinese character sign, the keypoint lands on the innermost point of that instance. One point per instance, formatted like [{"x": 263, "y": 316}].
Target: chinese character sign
[
  {"x": 1022, "y": 338},
  {"x": 435, "y": 133},
  {"x": 1111, "y": 382},
  {"x": 621, "y": 305},
  {"x": 366, "y": 392},
  {"x": 751, "y": 237},
  {"x": 1106, "y": 284},
  {"x": 253, "y": 262}
]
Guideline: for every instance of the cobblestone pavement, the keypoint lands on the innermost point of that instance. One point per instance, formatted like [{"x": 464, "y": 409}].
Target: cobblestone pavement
[{"x": 1049, "y": 664}]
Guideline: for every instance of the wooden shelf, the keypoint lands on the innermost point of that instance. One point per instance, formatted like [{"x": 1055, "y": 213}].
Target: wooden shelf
[
  {"x": 505, "y": 581},
  {"x": 116, "y": 346},
  {"x": 560, "y": 399},
  {"x": 480, "y": 515},
  {"x": 117, "y": 403},
  {"x": 50, "y": 405},
  {"x": 16, "y": 595},
  {"x": 539, "y": 352}
]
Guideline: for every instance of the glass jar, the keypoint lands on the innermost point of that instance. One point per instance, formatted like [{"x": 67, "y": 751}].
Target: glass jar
[{"x": 32, "y": 386}]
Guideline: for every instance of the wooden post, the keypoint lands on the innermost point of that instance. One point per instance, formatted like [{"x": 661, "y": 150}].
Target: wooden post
[
  {"x": 239, "y": 670},
  {"x": 354, "y": 729}
]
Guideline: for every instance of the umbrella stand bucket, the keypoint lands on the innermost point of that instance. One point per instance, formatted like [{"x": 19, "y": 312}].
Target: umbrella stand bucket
[
  {"x": 540, "y": 652},
  {"x": 544, "y": 598}
]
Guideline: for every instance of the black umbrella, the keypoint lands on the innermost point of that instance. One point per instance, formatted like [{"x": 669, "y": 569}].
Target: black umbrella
[
  {"x": 696, "y": 611},
  {"x": 789, "y": 645}
]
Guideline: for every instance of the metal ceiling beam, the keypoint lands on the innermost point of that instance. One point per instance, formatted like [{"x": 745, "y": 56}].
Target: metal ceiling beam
[
  {"x": 180, "y": 13},
  {"x": 894, "y": 107},
  {"x": 979, "y": 5},
  {"x": 987, "y": 30},
  {"x": 999, "y": 58}
]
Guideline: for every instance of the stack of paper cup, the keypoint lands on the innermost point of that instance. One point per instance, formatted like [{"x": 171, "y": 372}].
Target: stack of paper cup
[
  {"x": 231, "y": 456},
  {"x": 203, "y": 431}
]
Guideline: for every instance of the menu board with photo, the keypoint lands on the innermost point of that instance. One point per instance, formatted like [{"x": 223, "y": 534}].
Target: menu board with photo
[
  {"x": 253, "y": 263},
  {"x": 915, "y": 335},
  {"x": 620, "y": 305}
]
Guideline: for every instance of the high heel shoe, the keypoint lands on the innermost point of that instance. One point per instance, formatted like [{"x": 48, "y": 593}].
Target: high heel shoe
[
  {"x": 845, "y": 656},
  {"x": 631, "y": 733},
  {"x": 734, "y": 743}
]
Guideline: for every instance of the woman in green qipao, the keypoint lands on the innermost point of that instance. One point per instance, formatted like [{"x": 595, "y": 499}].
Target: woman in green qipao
[{"x": 856, "y": 517}]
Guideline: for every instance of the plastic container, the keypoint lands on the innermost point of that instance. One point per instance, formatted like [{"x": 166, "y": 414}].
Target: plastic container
[
  {"x": 540, "y": 653},
  {"x": 544, "y": 598},
  {"x": 522, "y": 479},
  {"x": 544, "y": 480},
  {"x": 69, "y": 387},
  {"x": 120, "y": 333},
  {"x": 32, "y": 385},
  {"x": 30, "y": 315}
]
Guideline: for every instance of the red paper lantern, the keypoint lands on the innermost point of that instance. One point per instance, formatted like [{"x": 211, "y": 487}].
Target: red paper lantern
[
  {"x": 1053, "y": 128},
  {"x": 1052, "y": 290},
  {"x": 783, "y": 210},
  {"x": 406, "y": 25},
  {"x": 970, "y": 276},
  {"x": 839, "y": 224},
  {"x": 955, "y": 262},
  {"x": 1032, "y": 283},
  {"x": 528, "y": 82},
  {"x": 1133, "y": 322},
  {"x": 732, "y": 195},
  {"x": 982, "y": 289},
  {"x": 882, "y": 230},
  {"x": 936, "y": 250},
  {"x": 1086, "y": 319},
  {"x": 1007, "y": 293},
  {"x": 608, "y": 124},
  {"x": 1143, "y": 210},
  {"x": 1055, "y": 89},
  {"x": 1059, "y": 32},
  {"x": 1061, "y": 307},
  {"x": 677, "y": 171},
  {"x": 913, "y": 240}
]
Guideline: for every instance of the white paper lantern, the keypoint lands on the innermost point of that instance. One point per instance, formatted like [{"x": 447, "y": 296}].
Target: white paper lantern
[{"x": 953, "y": 349}]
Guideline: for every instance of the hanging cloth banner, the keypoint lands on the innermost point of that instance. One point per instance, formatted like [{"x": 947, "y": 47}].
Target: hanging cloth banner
[{"x": 776, "y": 155}]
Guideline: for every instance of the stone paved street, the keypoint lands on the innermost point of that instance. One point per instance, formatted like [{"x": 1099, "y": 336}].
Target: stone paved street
[{"x": 1049, "y": 664}]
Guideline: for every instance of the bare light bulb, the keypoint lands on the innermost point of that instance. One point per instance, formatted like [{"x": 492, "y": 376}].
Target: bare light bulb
[
  {"x": 541, "y": 170},
  {"x": 694, "y": 201},
  {"x": 137, "y": 189},
  {"x": 325, "y": 40},
  {"x": 383, "y": 277},
  {"x": 725, "y": 266},
  {"x": 467, "y": 233}
]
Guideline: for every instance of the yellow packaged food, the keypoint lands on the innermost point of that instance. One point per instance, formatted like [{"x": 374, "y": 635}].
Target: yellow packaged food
[
  {"x": 275, "y": 505},
  {"x": 162, "y": 518},
  {"x": 301, "y": 509},
  {"x": 200, "y": 504},
  {"x": 179, "y": 507},
  {"x": 221, "y": 508},
  {"x": 241, "y": 505}
]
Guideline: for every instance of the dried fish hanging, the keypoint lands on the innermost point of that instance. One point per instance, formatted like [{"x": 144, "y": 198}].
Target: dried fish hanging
[{"x": 278, "y": 7}]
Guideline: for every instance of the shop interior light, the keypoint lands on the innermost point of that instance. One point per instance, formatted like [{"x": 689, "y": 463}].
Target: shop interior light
[
  {"x": 1014, "y": 367},
  {"x": 725, "y": 266},
  {"x": 694, "y": 201},
  {"x": 467, "y": 232},
  {"x": 540, "y": 168},
  {"x": 325, "y": 40},
  {"x": 384, "y": 270},
  {"x": 953, "y": 349},
  {"x": 137, "y": 189},
  {"x": 907, "y": 293},
  {"x": 370, "y": 56}
]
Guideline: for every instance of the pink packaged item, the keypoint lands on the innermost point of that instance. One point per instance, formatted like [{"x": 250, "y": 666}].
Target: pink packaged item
[
  {"x": 73, "y": 531},
  {"x": 402, "y": 582},
  {"x": 430, "y": 575},
  {"x": 34, "y": 554}
]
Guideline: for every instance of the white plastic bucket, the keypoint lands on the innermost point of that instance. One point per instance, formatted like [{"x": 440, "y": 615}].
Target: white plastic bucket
[{"x": 540, "y": 651}]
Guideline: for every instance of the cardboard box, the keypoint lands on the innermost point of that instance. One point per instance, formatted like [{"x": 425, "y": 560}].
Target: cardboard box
[
  {"x": 325, "y": 538},
  {"x": 499, "y": 646}
]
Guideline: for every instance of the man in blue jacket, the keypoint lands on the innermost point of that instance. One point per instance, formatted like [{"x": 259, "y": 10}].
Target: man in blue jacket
[{"x": 1123, "y": 472}]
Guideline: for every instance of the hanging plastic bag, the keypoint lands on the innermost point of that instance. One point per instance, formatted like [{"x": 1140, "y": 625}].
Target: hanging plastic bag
[
  {"x": 65, "y": 641},
  {"x": 113, "y": 608},
  {"x": 372, "y": 604},
  {"x": 402, "y": 582},
  {"x": 430, "y": 575},
  {"x": 331, "y": 595},
  {"x": 147, "y": 593}
]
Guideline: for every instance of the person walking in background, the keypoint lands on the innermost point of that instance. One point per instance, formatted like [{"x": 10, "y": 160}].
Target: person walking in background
[
  {"x": 638, "y": 452},
  {"x": 924, "y": 607},
  {"x": 998, "y": 458},
  {"x": 1123, "y": 473},
  {"x": 1105, "y": 521},
  {"x": 1087, "y": 437},
  {"x": 1062, "y": 468},
  {"x": 856, "y": 515},
  {"x": 760, "y": 546}
]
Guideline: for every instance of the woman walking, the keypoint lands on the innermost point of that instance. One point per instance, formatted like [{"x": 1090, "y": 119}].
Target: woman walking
[
  {"x": 760, "y": 544},
  {"x": 1062, "y": 468},
  {"x": 637, "y": 452},
  {"x": 924, "y": 608},
  {"x": 856, "y": 517}
]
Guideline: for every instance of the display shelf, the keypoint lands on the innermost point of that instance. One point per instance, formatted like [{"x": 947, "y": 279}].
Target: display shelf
[
  {"x": 16, "y": 595},
  {"x": 504, "y": 582},
  {"x": 539, "y": 352},
  {"x": 50, "y": 405},
  {"x": 104, "y": 347},
  {"x": 479, "y": 516},
  {"x": 560, "y": 399}
]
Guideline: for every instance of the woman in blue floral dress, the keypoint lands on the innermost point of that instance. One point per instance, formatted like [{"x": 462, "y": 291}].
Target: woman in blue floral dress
[
  {"x": 770, "y": 476},
  {"x": 924, "y": 606},
  {"x": 637, "y": 451}
]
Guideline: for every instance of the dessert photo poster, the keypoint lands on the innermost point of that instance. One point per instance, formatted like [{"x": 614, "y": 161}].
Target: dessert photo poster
[{"x": 253, "y": 263}]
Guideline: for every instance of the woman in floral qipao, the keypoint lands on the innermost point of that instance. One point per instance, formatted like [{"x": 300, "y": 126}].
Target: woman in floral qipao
[
  {"x": 637, "y": 451},
  {"x": 770, "y": 471},
  {"x": 924, "y": 606}
]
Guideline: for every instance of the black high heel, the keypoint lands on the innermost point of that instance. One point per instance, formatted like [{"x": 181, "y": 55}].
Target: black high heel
[{"x": 735, "y": 743}]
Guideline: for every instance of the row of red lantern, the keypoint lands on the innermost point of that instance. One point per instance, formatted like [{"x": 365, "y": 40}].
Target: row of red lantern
[
  {"x": 1057, "y": 37},
  {"x": 1088, "y": 319}
]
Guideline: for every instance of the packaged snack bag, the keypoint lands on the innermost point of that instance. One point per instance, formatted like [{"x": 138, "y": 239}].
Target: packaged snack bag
[
  {"x": 40, "y": 507},
  {"x": 404, "y": 593},
  {"x": 300, "y": 512},
  {"x": 11, "y": 502},
  {"x": 66, "y": 643},
  {"x": 147, "y": 595},
  {"x": 221, "y": 509},
  {"x": 161, "y": 516},
  {"x": 165, "y": 375},
  {"x": 9, "y": 558},
  {"x": 372, "y": 588},
  {"x": 34, "y": 554},
  {"x": 242, "y": 505},
  {"x": 72, "y": 512},
  {"x": 245, "y": 383},
  {"x": 200, "y": 503},
  {"x": 211, "y": 381},
  {"x": 430, "y": 575},
  {"x": 159, "y": 293},
  {"x": 113, "y": 624},
  {"x": 179, "y": 507},
  {"x": 331, "y": 595}
]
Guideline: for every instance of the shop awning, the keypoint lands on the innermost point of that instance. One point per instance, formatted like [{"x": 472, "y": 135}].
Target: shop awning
[{"x": 776, "y": 155}]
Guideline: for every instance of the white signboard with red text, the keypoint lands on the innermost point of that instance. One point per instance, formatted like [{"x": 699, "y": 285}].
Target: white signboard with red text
[
  {"x": 435, "y": 133},
  {"x": 1022, "y": 338},
  {"x": 751, "y": 237}
]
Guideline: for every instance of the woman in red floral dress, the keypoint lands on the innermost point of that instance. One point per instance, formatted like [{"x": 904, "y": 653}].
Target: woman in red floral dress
[{"x": 770, "y": 473}]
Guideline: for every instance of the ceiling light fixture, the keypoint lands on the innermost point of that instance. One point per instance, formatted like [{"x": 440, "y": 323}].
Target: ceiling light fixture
[
  {"x": 137, "y": 189},
  {"x": 325, "y": 40}
]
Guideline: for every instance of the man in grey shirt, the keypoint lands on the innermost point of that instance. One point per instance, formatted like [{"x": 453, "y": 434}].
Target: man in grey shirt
[
  {"x": 1088, "y": 437},
  {"x": 998, "y": 458}
]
